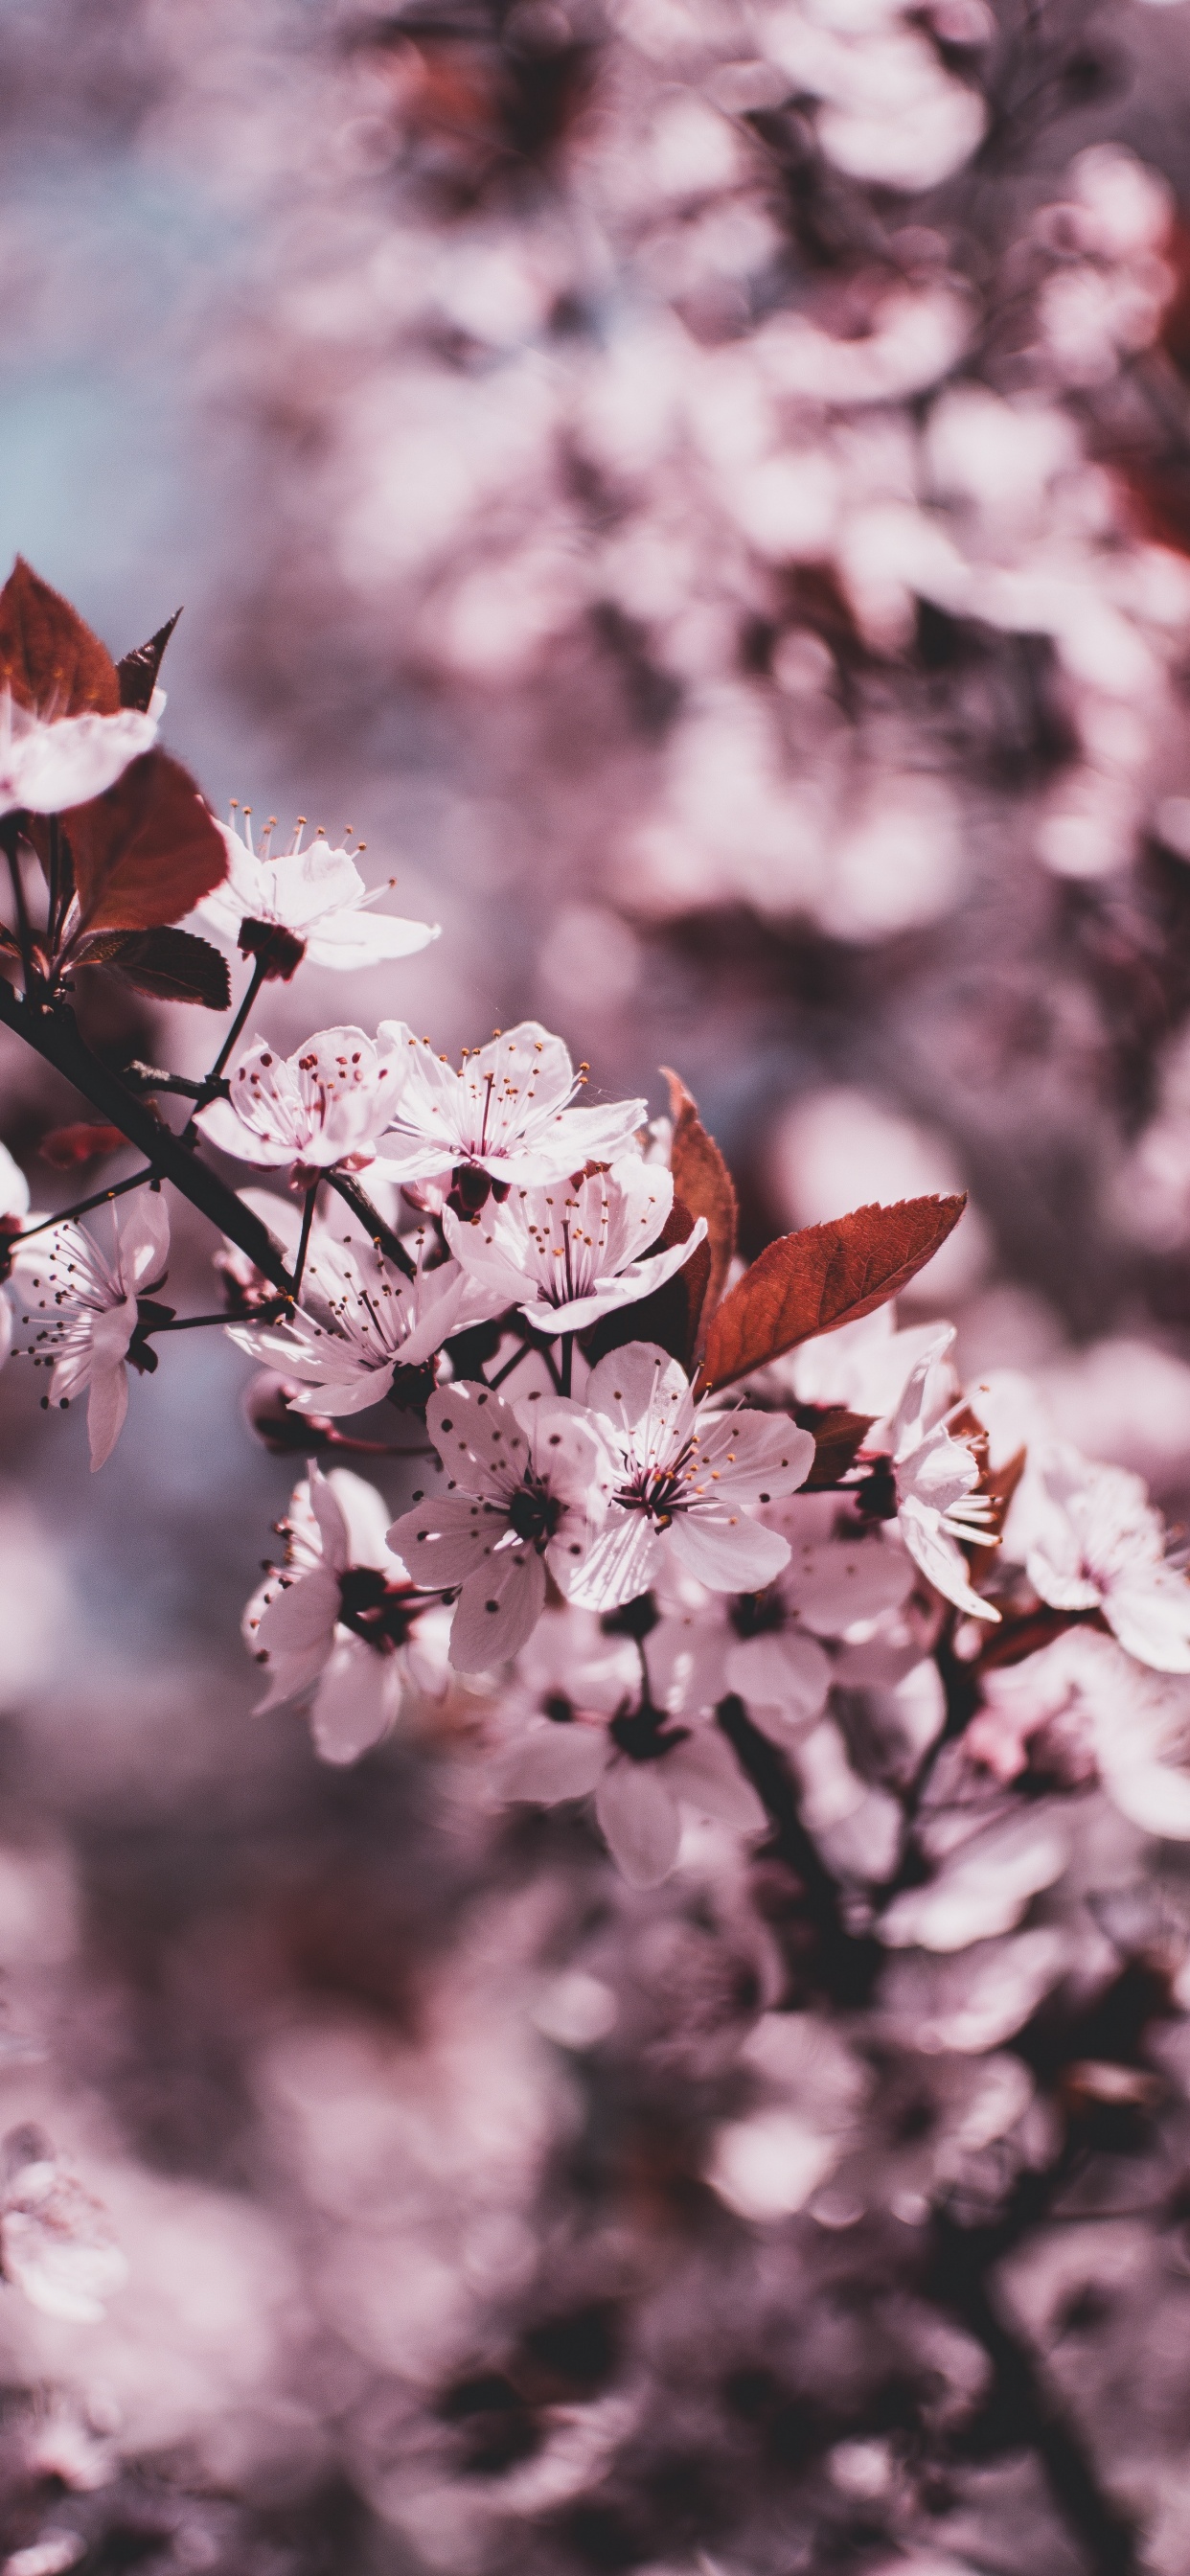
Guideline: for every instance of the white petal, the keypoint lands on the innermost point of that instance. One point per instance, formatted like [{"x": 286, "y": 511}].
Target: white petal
[
  {"x": 782, "y": 1670},
  {"x": 56, "y": 765},
  {"x": 478, "y": 1438},
  {"x": 144, "y": 1242},
  {"x": 365, "y": 1518},
  {"x": 941, "y": 1558},
  {"x": 301, "y": 1617},
  {"x": 107, "y": 1406},
  {"x": 358, "y": 939},
  {"x": 624, "y": 1561},
  {"x": 753, "y": 1457},
  {"x": 498, "y": 1610},
  {"x": 446, "y": 1538},
  {"x": 727, "y": 1553},
  {"x": 551, "y": 1763},
  {"x": 327, "y": 1508},
  {"x": 358, "y": 1698},
  {"x": 640, "y": 1821},
  {"x": 706, "y": 1775},
  {"x": 1156, "y": 1799},
  {"x": 1149, "y": 1609}
]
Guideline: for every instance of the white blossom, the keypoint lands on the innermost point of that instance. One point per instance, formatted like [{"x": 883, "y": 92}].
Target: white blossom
[
  {"x": 56, "y": 2242},
  {"x": 1100, "y": 1545},
  {"x": 687, "y": 1478},
  {"x": 90, "y": 1307},
  {"x": 643, "y": 1768},
  {"x": 341, "y": 1620},
  {"x": 360, "y": 1321},
  {"x": 527, "y": 1488},
  {"x": 506, "y": 1114},
  {"x": 939, "y": 1510},
  {"x": 323, "y": 1105},
  {"x": 316, "y": 895},
  {"x": 49, "y": 763},
  {"x": 577, "y": 1249}
]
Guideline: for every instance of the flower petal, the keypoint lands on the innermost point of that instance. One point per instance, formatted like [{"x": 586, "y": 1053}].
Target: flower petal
[
  {"x": 357, "y": 1700},
  {"x": 640, "y": 1821},
  {"x": 498, "y": 1610},
  {"x": 550, "y": 1763}
]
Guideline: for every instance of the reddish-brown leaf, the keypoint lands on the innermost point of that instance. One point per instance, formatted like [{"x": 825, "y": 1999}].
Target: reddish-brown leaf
[
  {"x": 137, "y": 671},
  {"x": 64, "y": 1147},
  {"x": 827, "y": 1275},
  {"x": 837, "y": 1436},
  {"x": 147, "y": 850},
  {"x": 703, "y": 1183},
  {"x": 172, "y": 965},
  {"x": 50, "y": 660}
]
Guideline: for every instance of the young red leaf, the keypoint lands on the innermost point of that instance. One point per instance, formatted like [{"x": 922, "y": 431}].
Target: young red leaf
[
  {"x": 137, "y": 671},
  {"x": 172, "y": 965},
  {"x": 147, "y": 850},
  {"x": 703, "y": 1183},
  {"x": 827, "y": 1275},
  {"x": 49, "y": 660},
  {"x": 64, "y": 1147}
]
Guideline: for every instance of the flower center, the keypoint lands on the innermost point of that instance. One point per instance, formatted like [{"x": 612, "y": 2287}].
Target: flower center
[
  {"x": 757, "y": 1614},
  {"x": 642, "y": 1733},
  {"x": 381, "y": 1613},
  {"x": 534, "y": 1513}
]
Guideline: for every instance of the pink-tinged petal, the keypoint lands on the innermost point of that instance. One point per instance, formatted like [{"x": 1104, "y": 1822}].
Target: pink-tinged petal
[
  {"x": 144, "y": 1243},
  {"x": 5, "y": 1329},
  {"x": 301, "y": 1617},
  {"x": 640, "y": 1821},
  {"x": 446, "y": 1538},
  {"x": 54, "y": 765},
  {"x": 704, "y": 1773},
  {"x": 641, "y": 1383},
  {"x": 623, "y": 1561},
  {"x": 498, "y": 1610},
  {"x": 290, "y": 1676},
  {"x": 728, "y": 1553},
  {"x": 327, "y": 1508},
  {"x": 941, "y": 1558},
  {"x": 752, "y": 1457},
  {"x": 839, "y": 1583},
  {"x": 551, "y": 1763},
  {"x": 478, "y": 1438},
  {"x": 356, "y": 1395},
  {"x": 365, "y": 1518},
  {"x": 111, "y": 1334},
  {"x": 638, "y": 1279},
  {"x": 568, "y": 1451},
  {"x": 783, "y": 1670},
  {"x": 357, "y": 1700},
  {"x": 1149, "y": 1609},
  {"x": 1054, "y": 1570},
  {"x": 1156, "y": 1799},
  {"x": 222, "y": 1128},
  {"x": 356, "y": 939},
  {"x": 107, "y": 1406}
]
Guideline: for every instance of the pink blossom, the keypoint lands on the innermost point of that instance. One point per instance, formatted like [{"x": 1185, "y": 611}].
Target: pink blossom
[
  {"x": 577, "y": 1249},
  {"x": 341, "y": 1620},
  {"x": 507, "y": 1114},
  {"x": 325, "y": 1104},
  {"x": 317, "y": 895},
  {"x": 91, "y": 1306}
]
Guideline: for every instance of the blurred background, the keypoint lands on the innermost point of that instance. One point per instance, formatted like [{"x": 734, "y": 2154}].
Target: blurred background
[{"x": 703, "y": 490}]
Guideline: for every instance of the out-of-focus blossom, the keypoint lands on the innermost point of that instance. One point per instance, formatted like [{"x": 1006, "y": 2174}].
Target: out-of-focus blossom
[
  {"x": 568, "y": 1254},
  {"x": 643, "y": 1769},
  {"x": 315, "y": 897},
  {"x": 56, "y": 2241},
  {"x": 325, "y": 1104},
  {"x": 687, "y": 1477},
  {"x": 1101, "y": 1546},
  {"x": 506, "y": 1116},
  {"x": 527, "y": 1489},
  {"x": 90, "y": 1303},
  {"x": 341, "y": 1619}
]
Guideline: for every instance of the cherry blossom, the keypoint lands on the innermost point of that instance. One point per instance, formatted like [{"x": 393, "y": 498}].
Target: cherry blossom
[
  {"x": 579, "y": 1247},
  {"x": 528, "y": 1487},
  {"x": 836, "y": 1586},
  {"x": 91, "y": 1306},
  {"x": 49, "y": 763},
  {"x": 643, "y": 1768},
  {"x": 687, "y": 1476},
  {"x": 315, "y": 897},
  {"x": 362, "y": 1321},
  {"x": 1101, "y": 1546},
  {"x": 14, "y": 1204},
  {"x": 939, "y": 1510},
  {"x": 505, "y": 1118},
  {"x": 323, "y": 1105},
  {"x": 56, "y": 2242},
  {"x": 341, "y": 1619}
]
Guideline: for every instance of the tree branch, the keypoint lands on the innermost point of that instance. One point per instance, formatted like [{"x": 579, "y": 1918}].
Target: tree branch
[{"x": 54, "y": 1035}]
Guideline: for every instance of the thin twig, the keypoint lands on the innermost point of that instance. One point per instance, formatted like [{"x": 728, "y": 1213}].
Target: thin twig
[
  {"x": 82, "y": 1207},
  {"x": 382, "y": 1235},
  {"x": 304, "y": 1238}
]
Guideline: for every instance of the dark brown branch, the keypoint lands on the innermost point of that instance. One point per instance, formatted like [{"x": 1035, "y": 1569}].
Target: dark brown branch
[{"x": 55, "y": 1036}]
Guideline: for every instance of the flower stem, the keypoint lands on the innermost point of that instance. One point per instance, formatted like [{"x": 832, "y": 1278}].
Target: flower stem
[
  {"x": 9, "y": 838},
  {"x": 567, "y": 1364},
  {"x": 207, "y": 1092},
  {"x": 382, "y": 1235},
  {"x": 53, "y": 1033},
  {"x": 98, "y": 1198},
  {"x": 304, "y": 1238}
]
